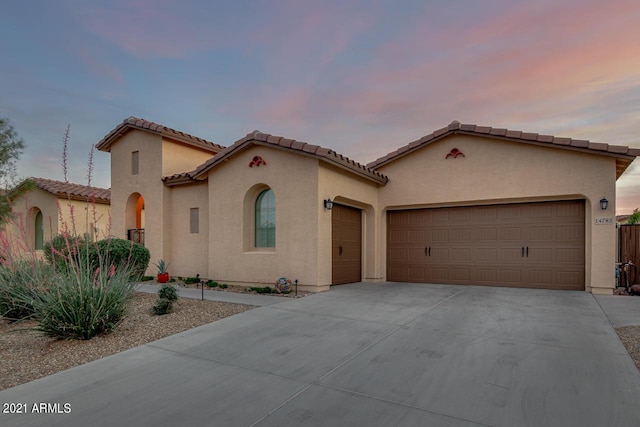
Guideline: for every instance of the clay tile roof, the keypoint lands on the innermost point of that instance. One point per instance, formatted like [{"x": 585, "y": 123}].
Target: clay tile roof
[
  {"x": 498, "y": 132},
  {"x": 545, "y": 138},
  {"x": 581, "y": 143},
  {"x": 147, "y": 126},
  {"x": 258, "y": 138},
  {"x": 624, "y": 155},
  {"x": 74, "y": 191},
  {"x": 561, "y": 141}
]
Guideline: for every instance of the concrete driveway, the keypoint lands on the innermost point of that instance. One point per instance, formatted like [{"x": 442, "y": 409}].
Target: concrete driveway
[{"x": 368, "y": 354}]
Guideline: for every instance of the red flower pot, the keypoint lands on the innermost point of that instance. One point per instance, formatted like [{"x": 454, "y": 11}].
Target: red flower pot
[{"x": 163, "y": 277}]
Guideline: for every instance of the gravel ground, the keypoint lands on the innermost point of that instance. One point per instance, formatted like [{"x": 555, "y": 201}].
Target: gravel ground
[
  {"x": 630, "y": 337},
  {"x": 25, "y": 355}
]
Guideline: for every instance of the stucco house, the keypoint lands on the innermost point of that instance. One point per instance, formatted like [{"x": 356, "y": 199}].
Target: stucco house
[
  {"x": 465, "y": 204},
  {"x": 53, "y": 207}
]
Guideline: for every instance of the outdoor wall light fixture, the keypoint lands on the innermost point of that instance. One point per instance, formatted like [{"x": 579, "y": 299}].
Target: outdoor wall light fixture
[
  {"x": 328, "y": 204},
  {"x": 604, "y": 203}
]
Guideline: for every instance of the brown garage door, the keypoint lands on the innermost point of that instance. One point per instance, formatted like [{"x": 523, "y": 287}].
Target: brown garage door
[
  {"x": 530, "y": 245},
  {"x": 346, "y": 247}
]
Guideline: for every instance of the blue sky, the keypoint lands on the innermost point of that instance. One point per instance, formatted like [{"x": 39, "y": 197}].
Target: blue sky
[{"x": 362, "y": 78}]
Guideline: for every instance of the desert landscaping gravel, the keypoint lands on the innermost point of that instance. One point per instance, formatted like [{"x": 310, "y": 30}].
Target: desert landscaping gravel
[
  {"x": 26, "y": 355},
  {"x": 630, "y": 337}
]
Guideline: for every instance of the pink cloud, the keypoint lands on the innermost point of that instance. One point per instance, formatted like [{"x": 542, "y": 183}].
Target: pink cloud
[{"x": 147, "y": 28}]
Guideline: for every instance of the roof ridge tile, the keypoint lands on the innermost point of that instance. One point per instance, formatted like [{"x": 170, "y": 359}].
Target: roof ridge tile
[{"x": 503, "y": 133}]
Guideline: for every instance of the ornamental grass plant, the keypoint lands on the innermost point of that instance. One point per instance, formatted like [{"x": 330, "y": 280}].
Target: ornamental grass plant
[
  {"x": 85, "y": 300},
  {"x": 21, "y": 286},
  {"x": 81, "y": 288}
]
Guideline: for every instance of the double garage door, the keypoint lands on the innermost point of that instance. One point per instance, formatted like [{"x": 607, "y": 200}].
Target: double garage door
[{"x": 532, "y": 245}]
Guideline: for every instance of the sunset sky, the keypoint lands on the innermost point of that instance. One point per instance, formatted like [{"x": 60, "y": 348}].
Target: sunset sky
[{"x": 361, "y": 77}]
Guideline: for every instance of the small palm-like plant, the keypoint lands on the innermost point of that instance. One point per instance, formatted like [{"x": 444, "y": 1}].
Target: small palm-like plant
[{"x": 162, "y": 266}]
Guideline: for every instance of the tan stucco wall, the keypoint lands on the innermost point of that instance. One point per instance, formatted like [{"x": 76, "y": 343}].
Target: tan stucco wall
[
  {"x": 188, "y": 253},
  {"x": 492, "y": 171},
  {"x": 147, "y": 183},
  {"x": 495, "y": 171},
  {"x": 347, "y": 189},
  {"x": 233, "y": 188},
  {"x": 58, "y": 215},
  {"x": 178, "y": 158}
]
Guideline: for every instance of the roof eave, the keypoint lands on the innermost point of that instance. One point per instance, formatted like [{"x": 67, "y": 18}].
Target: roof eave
[
  {"x": 391, "y": 158},
  {"x": 247, "y": 142}
]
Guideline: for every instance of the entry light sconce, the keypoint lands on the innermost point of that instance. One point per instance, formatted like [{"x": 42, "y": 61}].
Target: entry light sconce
[
  {"x": 328, "y": 204},
  {"x": 604, "y": 203}
]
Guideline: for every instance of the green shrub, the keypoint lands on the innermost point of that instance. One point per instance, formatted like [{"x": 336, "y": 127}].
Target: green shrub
[
  {"x": 147, "y": 278},
  {"x": 20, "y": 286},
  {"x": 163, "y": 306},
  {"x": 223, "y": 286},
  {"x": 168, "y": 292},
  {"x": 84, "y": 302},
  {"x": 121, "y": 253},
  {"x": 264, "y": 290},
  {"x": 210, "y": 283},
  {"x": 190, "y": 280},
  {"x": 63, "y": 251}
]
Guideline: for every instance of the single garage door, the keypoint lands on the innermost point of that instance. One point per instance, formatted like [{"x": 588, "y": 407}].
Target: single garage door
[
  {"x": 346, "y": 245},
  {"x": 529, "y": 245}
]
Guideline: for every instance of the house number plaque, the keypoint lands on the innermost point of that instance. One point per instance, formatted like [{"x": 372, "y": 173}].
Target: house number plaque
[{"x": 604, "y": 220}]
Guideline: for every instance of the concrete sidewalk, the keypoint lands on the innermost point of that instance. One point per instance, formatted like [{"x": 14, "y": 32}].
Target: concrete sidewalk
[
  {"x": 621, "y": 310},
  {"x": 374, "y": 354}
]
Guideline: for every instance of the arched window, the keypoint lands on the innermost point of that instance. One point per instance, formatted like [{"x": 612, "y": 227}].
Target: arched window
[
  {"x": 266, "y": 220},
  {"x": 38, "y": 231}
]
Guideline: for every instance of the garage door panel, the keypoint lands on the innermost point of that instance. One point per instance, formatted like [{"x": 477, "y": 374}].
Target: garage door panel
[
  {"x": 570, "y": 256},
  {"x": 416, "y": 254},
  {"x": 510, "y": 254},
  {"x": 461, "y": 235},
  {"x": 541, "y": 233},
  {"x": 569, "y": 233},
  {"x": 439, "y": 275},
  {"x": 541, "y": 254},
  {"x": 398, "y": 236},
  {"x": 486, "y": 234},
  {"x": 439, "y": 235},
  {"x": 485, "y": 275},
  {"x": 541, "y": 276},
  {"x": 487, "y": 255},
  {"x": 509, "y": 213},
  {"x": 398, "y": 255},
  {"x": 537, "y": 245},
  {"x": 573, "y": 279},
  {"x": 510, "y": 276},
  {"x": 416, "y": 274},
  {"x": 439, "y": 216},
  {"x": 417, "y": 236},
  {"x": 438, "y": 254},
  {"x": 510, "y": 234},
  {"x": 461, "y": 255},
  {"x": 459, "y": 274}
]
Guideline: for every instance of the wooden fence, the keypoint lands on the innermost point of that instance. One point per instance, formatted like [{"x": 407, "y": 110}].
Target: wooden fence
[{"x": 629, "y": 241}]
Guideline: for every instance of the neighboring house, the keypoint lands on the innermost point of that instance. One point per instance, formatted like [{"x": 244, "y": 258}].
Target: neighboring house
[
  {"x": 465, "y": 204},
  {"x": 54, "y": 207},
  {"x": 622, "y": 219}
]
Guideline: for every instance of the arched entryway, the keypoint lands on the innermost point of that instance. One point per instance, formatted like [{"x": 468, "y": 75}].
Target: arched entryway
[
  {"x": 36, "y": 228},
  {"x": 135, "y": 218}
]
